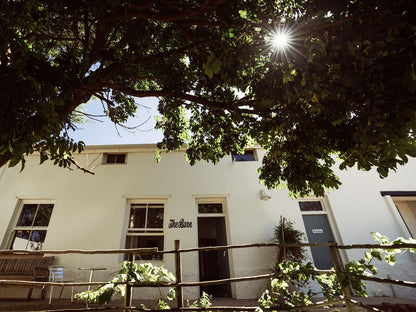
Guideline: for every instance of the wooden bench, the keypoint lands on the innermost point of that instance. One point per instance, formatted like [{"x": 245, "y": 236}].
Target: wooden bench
[{"x": 25, "y": 268}]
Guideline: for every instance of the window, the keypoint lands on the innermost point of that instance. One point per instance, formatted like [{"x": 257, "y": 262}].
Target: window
[
  {"x": 145, "y": 228},
  {"x": 403, "y": 208},
  {"x": 248, "y": 155},
  {"x": 31, "y": 227},
  {"x": 407, "y": 210},
  {"x": 310, "y": 205},
  {"x": 115, "y": 158},
  {"x": 210, "y": 208}
]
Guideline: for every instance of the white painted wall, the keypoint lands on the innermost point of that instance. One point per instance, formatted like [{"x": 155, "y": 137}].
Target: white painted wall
[{"x": 91, "y": 210}]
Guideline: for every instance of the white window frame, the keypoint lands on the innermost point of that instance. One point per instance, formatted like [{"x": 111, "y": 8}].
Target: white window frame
[
  {"x": 326, "y": 210},
  {"x": 14, "y": 227},
  {"x": 212, "y": 200},
  {"x": 145, "y": 231},
  {"x": 313, "y": 212},
  {"x": 399, "y": 215}
]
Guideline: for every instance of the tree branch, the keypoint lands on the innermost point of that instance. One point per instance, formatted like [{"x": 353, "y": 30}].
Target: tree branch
[
  {"x": 213, "y": 104},
  {"x": 138, "y": 12},
  {"x": 72, "y": 161},
  {"x": 171, "y": 52},
  {"x": 143, "y": 4},
  {"x": 90, "y": 116},
  {"x": 200, "y": 23},
  {"x": 109, "y": 21},
  {"x": 210, "y": 5},
  {"x": 87, "y": 30},
  {"x": 45, "y": 36},
  {"x": 235, "y": 106},
  {"x": 156, "y": 57},
  {"x": 332, "y": 24},
  {"x": 187, "y": 35}
]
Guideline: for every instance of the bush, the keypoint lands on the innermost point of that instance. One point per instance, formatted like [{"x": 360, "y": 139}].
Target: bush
[{"x": 285, "y": 232}]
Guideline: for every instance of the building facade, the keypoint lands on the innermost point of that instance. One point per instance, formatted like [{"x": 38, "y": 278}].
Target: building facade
[{"x": 133, "y": 201}]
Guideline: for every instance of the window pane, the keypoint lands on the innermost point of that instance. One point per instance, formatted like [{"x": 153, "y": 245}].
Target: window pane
[
  {"x": 247, "y": 156},
  {"x": 137, "y": 216},
  {"x": 38, "y": 236},
  {"x": 310, "y": 206},
  {"x": 27, "y": 215},
  {"x": 20, "y": 240},
  {"x": 111, "y": 158},
  {"x": 36, "y": 240},
  {"x": 120, "y": 158},
  {"x": 210, "y": 208},
  {"x": 44, "y": 214},
  {"x": 155, "y": 218},
  {"x": 115, "y": 158},
  {"x": 146, "y": 242}
]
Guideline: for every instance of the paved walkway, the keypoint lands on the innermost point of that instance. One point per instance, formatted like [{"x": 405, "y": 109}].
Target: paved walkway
[{"x": 62, "y": 305}]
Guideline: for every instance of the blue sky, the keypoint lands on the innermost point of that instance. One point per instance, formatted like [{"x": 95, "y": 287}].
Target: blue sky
[{"x": 104, "y": 132}]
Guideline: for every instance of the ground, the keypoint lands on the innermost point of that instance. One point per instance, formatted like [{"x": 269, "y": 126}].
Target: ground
[{"x": 61, "y": 305}]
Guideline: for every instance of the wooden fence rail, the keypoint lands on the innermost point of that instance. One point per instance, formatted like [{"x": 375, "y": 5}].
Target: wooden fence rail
[
  {"x": 142, "y": 251},
  {"x": 179, "y": 284}
]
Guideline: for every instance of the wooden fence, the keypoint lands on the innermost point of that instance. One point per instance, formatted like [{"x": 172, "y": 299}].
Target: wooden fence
[{"x": 179, "y": 284}]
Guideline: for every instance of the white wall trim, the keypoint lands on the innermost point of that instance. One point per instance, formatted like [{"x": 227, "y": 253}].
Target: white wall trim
[
  {"x": 213, "y": 196},
  {"x": 144, "y": 197},
  {"x": 396, "y": 216}
]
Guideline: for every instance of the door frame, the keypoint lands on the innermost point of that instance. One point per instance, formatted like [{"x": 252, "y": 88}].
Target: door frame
[{"x": 224, "y": 214}]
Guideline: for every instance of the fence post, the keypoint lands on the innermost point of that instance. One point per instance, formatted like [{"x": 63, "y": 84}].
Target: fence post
[
  {"x": 178, "y": 273},
  {"x": 128, "y": 297},
  {"x": 338, "y": 266}
]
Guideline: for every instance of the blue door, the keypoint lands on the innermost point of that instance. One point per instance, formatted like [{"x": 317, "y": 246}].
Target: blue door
[{"x": 318, "y": 230}]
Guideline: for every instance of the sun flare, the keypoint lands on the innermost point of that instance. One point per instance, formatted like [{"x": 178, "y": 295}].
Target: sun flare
[
  {"x": 284, "y": 43},
  {"x": 280, "y": 40}
]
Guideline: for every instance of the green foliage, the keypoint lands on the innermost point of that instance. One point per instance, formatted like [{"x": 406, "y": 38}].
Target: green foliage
[
  {"x": 283, "y": 293},
  {"x": 291, "y": 275},
  {"x": 344, "y": 89},
  {"x": 212, "y": 66},
  {"x": 389, "y": 255},
  {"x": 204, "y": 301},
  {"x": 135, "y": 273},
  {"x": 285, "y": 232},
  {"x": 364, "y": 267}
]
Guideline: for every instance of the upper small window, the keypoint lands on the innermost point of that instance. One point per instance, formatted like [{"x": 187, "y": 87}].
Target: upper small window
[
  {"x": 115, "y": 158},
  {"x": 210, "y": 208},
  {"x": 310, "y": 205},
  {"x": 247, "y": 156}
]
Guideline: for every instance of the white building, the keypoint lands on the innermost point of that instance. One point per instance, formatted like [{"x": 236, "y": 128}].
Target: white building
[{"x": 134, "y": 201}]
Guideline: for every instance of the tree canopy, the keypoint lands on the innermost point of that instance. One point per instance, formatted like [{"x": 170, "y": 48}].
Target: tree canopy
[{"x": 343, "y": 88}]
